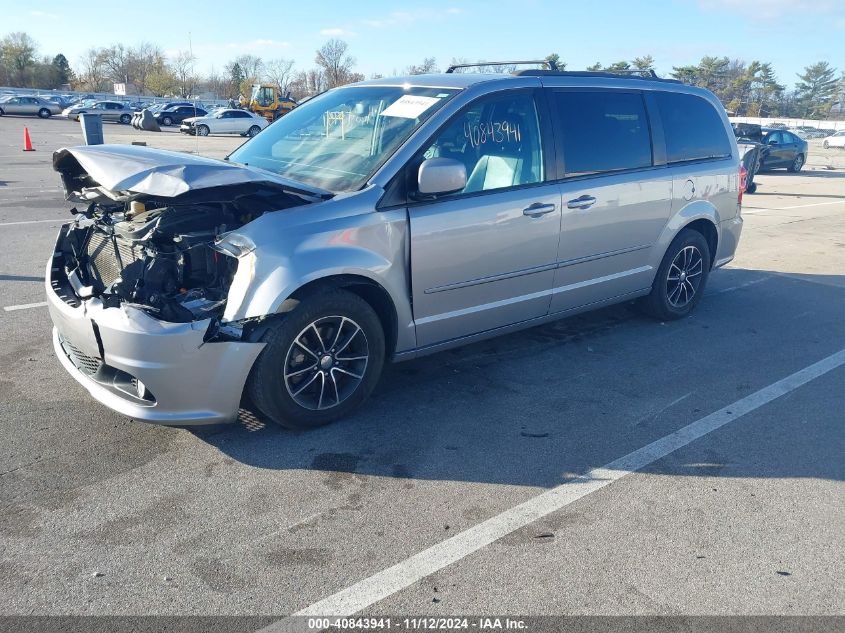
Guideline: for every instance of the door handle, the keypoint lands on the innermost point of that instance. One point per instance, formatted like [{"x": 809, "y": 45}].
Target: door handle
[
  {"x": 584, "y": 202},
  {"x": 537, "y": 209}
]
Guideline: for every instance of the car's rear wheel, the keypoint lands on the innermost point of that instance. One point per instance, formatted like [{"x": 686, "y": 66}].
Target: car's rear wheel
[
  {"x": 826, "y": 145},
  {"x": 166, "y": 121},
  {"x": 797, "y": 164},
  {"x": 125, "y": 119},
  {"x": 681, "y": 278},
  {"x": 202, "y": 130},
  {"x": 321, "y": 361},
  {"x": 44, "y": 113},
  {"x": 253, "y": 131}
]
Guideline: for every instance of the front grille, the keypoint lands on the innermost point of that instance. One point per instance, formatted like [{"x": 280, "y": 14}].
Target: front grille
[
  {"x": 88, "y": 365},
  {"x": 108, "y": 257}
]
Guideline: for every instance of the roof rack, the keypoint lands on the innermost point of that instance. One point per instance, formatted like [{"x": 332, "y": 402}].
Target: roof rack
[
  {"x": 548, "y": 62},
  {"x": 633, "y": 73}
]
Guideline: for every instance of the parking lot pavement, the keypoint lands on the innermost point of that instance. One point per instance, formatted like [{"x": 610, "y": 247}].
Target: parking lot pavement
[{"x": 104, "y": 515}]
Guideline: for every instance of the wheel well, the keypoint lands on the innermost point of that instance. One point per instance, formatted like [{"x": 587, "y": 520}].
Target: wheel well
[
  {"x": 708, "y": 230},
  {"x": 369, "y": 290}
]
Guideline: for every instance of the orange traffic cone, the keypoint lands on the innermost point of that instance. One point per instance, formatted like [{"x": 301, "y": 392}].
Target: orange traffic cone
[{"x": 27, "y": 144}]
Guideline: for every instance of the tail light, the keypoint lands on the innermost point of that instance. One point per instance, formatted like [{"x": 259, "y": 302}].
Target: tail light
[{"x": 743, "y": 182}]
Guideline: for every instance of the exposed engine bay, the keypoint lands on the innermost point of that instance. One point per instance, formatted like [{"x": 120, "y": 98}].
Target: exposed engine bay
[
  {"x": 154, "y": 252},
  {"x": 159, "y": 256}
]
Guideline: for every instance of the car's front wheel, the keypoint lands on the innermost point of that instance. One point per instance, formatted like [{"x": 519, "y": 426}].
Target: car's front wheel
[
  {"x": 202, "y": 130},
  {"x": 681, "y": 278},
  {"x": 166, "y": 121},
  {"x": 320, "y": 362},
  {"x": 44, "y": 113},
  {"x": 797, "y": 164},
  {"x": 253, "y": 131}
]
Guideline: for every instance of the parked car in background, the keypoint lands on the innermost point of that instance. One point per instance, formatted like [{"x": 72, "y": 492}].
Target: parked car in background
[
  {"x": 225, "y": 121},
  {"x": 109, "y": 110},
  {"x": 835, "y": 140},
  {"x": 782, "y": 148},
  {"x": 174, "y": 115},
  {"x": 35, "y": 106}
]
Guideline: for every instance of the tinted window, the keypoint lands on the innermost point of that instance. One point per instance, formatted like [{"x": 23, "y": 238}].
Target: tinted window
[
  {"x": 774, "y": 138},
  {"x": 602, "y": 131},
  {"x": 692, "y": 127},
  {"x": 240, "y": 115},
  {"x": 497, "y": 139},
  {"x": 790, "y": 138}
]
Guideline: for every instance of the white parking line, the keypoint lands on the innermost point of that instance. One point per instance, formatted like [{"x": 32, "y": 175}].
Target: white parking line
[
  {"x": 59, "y": 220},
  {"x": 755, "y": 210},
  {"x": 737, "y": 287},
  {"x": 387, "y": 582},
  {"x": 25, "y": 306}
]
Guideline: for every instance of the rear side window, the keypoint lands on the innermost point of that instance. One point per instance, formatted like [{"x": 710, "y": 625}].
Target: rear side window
[
  {"x": 602, "y": 131},
  {"x": 692, "y": 127}
]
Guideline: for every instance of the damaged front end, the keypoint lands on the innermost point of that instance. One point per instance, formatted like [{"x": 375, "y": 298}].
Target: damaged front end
[{"x": 140, "y": 279}]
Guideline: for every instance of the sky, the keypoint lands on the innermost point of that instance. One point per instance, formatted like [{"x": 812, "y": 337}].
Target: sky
[{"x": 385, "y": 37}]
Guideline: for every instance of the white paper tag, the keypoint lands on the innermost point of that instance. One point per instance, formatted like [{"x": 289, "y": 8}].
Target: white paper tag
[{"x": 409, "y": 106}]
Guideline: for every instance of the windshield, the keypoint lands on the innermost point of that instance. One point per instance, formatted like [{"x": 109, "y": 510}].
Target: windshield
[{"x": 337, "y": 140}]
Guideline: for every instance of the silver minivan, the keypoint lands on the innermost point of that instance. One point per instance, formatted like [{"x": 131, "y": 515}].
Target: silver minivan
[{"x": 382, "y": 221}]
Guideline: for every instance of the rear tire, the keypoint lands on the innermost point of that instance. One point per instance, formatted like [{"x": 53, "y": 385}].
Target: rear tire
[
  {"x": 125, "y": 119},
  {"x": 320, "y": 362},
  {"x": 681, "y": 278},
  {"x": 796, "y": 165},
  {"x": 44, "y": 113},
  {"x": 167, "y": 121},
  {"x": 826, "y": 145},
  {"x": 253, "y": 131}
]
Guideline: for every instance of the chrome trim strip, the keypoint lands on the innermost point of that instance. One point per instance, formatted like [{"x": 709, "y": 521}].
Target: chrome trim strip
[{"x": 536, "y": 269}]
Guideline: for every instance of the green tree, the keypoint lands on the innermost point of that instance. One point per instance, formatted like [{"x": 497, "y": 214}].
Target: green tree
[
  {"x": 555, "y": 59},
  {"x": 595, "y": 67},
  {"x": 617, "y": 66},
  {"x": 17, "y": 55},
  {"x": 64, "y": 75},
  {"x": 643, "y": 63},
  {"x": 816, "y": 90}
]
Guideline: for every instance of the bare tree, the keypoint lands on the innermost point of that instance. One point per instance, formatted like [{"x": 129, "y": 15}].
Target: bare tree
[
  {"x": 92, "y": 72},
  {"x": 251, "y": 66},
  {"x": 147, "y": 58},
  {"x": 119, "y": 63},
  {"x": 335, "y": 63},
  {"x": 182, "y": 67},
  {"x": 279, "y": 72},
  {"x": 429, "y": 65}
]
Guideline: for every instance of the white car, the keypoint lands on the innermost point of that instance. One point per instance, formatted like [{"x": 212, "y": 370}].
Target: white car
[
  {"x": 837, "y": 140},
  {"x": 224, "y": 121}
]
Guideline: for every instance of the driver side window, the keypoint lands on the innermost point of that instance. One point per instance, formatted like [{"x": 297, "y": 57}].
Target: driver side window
[{"x": 498, "y": 141}]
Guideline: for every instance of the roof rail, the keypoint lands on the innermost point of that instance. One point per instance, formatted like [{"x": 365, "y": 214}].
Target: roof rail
[
  {"x": 548, "y": 62},
  {"x": 634, "y": 73}
]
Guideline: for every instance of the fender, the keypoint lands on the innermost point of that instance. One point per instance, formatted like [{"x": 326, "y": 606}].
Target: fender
[{"x": 689, "y": 213}]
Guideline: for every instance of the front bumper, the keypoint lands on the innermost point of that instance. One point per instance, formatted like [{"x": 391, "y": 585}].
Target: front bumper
[{"x": 189, "y": 381}]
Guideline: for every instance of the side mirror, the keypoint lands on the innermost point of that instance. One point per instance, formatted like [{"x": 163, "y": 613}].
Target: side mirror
[{"x": 441, "y": 175}]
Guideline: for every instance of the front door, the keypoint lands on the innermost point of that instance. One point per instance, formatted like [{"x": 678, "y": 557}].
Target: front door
[{"x": 484, "y": 257}]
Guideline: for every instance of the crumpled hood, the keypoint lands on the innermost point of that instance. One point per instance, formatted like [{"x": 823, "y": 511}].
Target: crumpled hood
[{"x": 132, "y": 169}]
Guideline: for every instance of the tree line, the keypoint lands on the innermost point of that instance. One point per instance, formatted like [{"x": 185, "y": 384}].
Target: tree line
[{"x": 745, "y": 88}]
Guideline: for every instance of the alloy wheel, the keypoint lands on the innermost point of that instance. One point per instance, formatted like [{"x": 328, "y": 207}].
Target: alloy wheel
[
  {"x": 684, "y": 276},
  {"x": 326, "y": 363}
]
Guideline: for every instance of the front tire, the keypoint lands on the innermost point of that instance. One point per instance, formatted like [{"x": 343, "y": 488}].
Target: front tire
[
  {"x": 320, "y": 362},
  {"x": 681, "y": 278},
  {"x": 797, "y": 164},
  {"x": 202, "y": 130},
  {"x": 44, "y": 113},
  {"x": 167, "y": 121}
]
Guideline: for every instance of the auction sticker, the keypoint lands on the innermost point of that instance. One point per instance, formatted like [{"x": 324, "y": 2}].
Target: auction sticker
[{"x": 409, "y": 106}]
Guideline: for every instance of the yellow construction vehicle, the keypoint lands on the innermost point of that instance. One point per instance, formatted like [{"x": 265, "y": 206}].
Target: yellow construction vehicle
[{"x": 267, "y": 101}]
